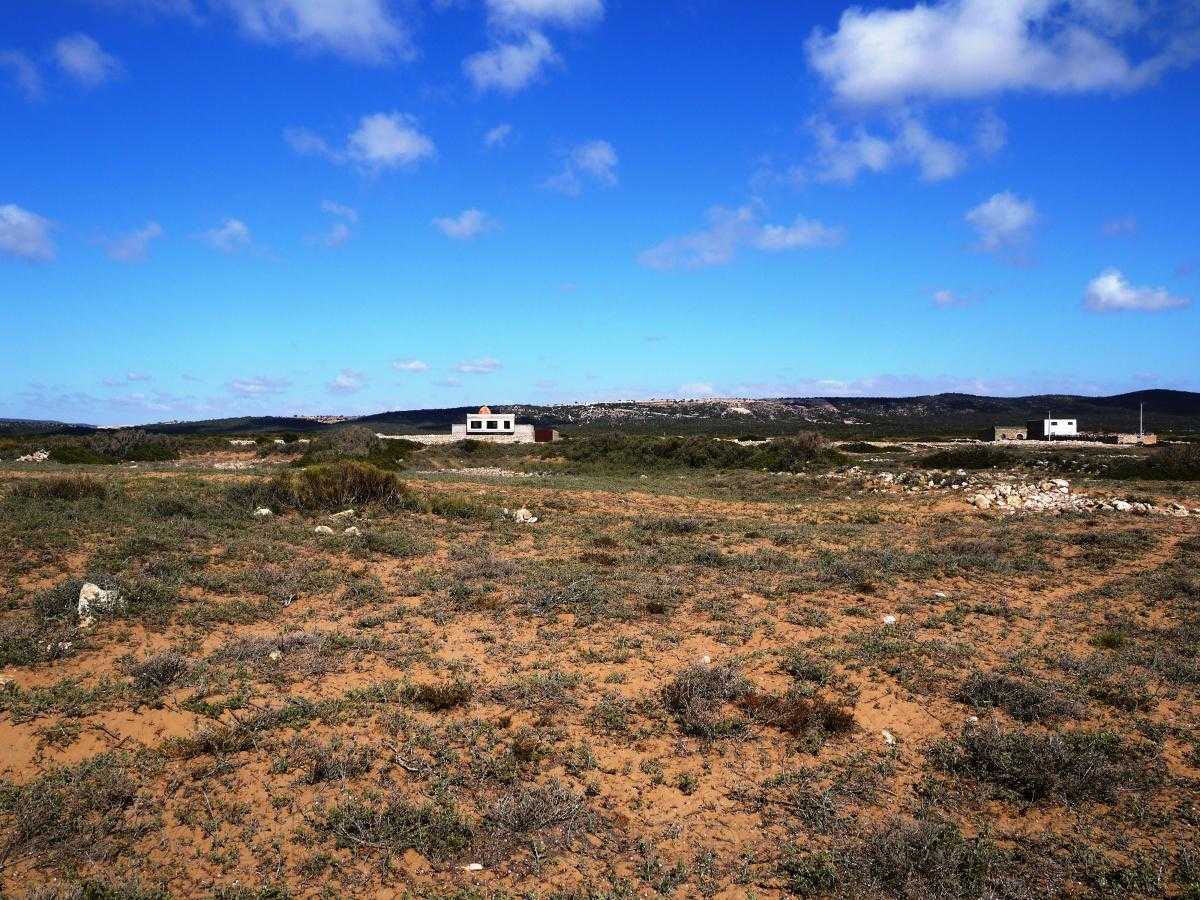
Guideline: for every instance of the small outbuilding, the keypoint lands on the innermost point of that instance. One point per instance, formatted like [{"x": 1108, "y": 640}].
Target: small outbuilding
[
  {"x": 1006, "y": 433},
  {"x": 1049, "y": 429}
]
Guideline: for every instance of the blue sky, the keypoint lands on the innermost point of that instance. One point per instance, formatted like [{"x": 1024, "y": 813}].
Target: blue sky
[{"x": 220, "y": 207}]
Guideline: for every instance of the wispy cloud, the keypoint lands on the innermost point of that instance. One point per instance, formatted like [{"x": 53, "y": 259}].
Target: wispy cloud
[
  {"x": 24, "y": 73},
  {"x": 499, "y": 136},
  {"x": 1120, "y": 227},
  {"x": 410, "y": 365},
  {"x": 1004, "y": 223},
  {"x": 1111, "y": 292},
  {"x": 467, "y": 225},
  {"x": 485, "y": 365},
  {"x": 382, "y": 141},
  {"x": 347, "y": 381},
  {"x": 133, "y": 246},
  {"x": 230, "y": 237},
  {"x": 728, "y": 231},
  {"x": 956, "y": 49},
  {"x": 366, "y": 31},
  {"x": 83, "y": 59},
  {"x": 25, "y": 235},
  {"x": 592, "y": 162},
  {"x": 258, "y": 386},
  {"x": 511, "y": 66},
  {"x": 521, "y": 14}
]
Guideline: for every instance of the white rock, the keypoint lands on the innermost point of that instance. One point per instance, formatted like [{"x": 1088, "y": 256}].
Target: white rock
[
  {"x": 352, "y": 532},
  {"x": 524, "y": 516},
  {"x": 323, "y": 529},
  {"x": 344, "y": 514},
  {"x": 473, "y": 867},
  {"x": 706, "y": 659},
  {"x": 262, "y": 512},
  {"x": 94, "y": 600},
  {"x": 889, "y": 620},
  {"x": 276, "y": 655},
  {"x": 889, "y": 738}
]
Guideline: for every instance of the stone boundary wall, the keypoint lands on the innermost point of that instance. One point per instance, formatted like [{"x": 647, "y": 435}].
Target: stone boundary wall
[{"x": 432, "y": 439}]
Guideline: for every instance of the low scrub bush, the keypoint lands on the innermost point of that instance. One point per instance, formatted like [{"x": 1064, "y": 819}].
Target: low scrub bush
[
  {"x": 626, "y": 451},
  {"x": 71, "y": 488},
  {"x": 967, "y": 458},
  {"x": 1173, "y": 462},
  {"x": 699, "y": 695},
  {"x": 435, "y": 830},
  {"x": 1030, "y": 700},
  {"x": 1066, "y": 767},
  {"x": 336, "y": 485}
]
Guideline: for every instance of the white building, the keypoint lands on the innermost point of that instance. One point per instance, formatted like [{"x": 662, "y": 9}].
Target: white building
[
  {"x": 485, "y": 425},
  {"x": 1047, "y": 429}
]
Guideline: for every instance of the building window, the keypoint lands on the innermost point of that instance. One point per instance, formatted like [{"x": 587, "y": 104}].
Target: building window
[
  {"x": 508, "y": 423},
  {"x": 476, "y": 425},
  {"x": 493, "y": 424}
]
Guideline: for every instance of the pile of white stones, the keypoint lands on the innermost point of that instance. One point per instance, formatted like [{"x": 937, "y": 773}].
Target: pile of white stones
[
  {"x": 1055, "y": 496},
  {"x": 35, "y": 456}
]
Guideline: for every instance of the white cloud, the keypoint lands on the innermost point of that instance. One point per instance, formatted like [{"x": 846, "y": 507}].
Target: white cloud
[
  {"x": 133, "y": 246},
  {"x": 389, "y": 140},
  {"x": 1004, "y": 222},
  {"x": 349, "y": 213},
  {"x": 381, "y": 141},
  {"x": 498, "y": 136},
  {"x": 512, "y": 66},
  {"x": 82, "y": 58},
  {"x": 590, "y": 162},
  {"x": 448, "y": 382},
  {"x": 468, "y": 224},
  {"x": 485, "y": 365},
  {"x": 937, "y": 159},
  {"x": 339, "y": 233},
  {"x": 731, "y": 229},
  {"x": 360, "y": 30},
  {"x": 410, "y": 365},
  {"x": 973, "y": 48},
  {"x": 991, "y": 136},
  {"x": 258, "y": 386},
  {"x": 944, "y": 299},
  {"x": 843, "y": 159},
  {"x": 800, "y": 234},
  {"x": 1110, "y": 292},
  {"x": 347, "y": 381},
  {"x": 1120, "y": 227},
  {"x": 25, "y": 235},
  {"x": 26, "y": 76},
  {"x": 230, "y": 237},
  {"x": 526, "y": 13}
]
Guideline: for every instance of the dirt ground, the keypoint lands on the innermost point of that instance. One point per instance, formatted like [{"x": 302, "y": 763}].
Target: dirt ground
[{"x": 656, "y": 689}]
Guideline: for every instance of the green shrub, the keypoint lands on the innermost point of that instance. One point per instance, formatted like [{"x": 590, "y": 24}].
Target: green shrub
[
  {"x": 968, "y": 458},
  {"x": 1030, "y": 700},
  {"x": 435, "y": 830},
  {"x": 336, "y": 485},
  {"x": 1067, "y": 766},
  {"x": 1173, "y": 462},
  {"x": 626, "y": 451},
  {"x": 697, "y": 695},
  {"x": 60, "y": 487},
  {"x": 73, "y": 454}
]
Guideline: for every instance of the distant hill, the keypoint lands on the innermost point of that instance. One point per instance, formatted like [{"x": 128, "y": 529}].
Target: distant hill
[
  {"x": 23, "y": 427},
  {"x": 930, "y": 415},
  {"x": 948, "y": 414}
]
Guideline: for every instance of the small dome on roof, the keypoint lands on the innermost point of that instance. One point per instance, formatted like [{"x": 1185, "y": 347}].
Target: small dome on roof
[{"x": 485, "y": 411}]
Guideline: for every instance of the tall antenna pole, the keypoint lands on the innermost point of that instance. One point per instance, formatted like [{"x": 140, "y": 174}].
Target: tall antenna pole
[{"x": 1141, "y": 424}]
